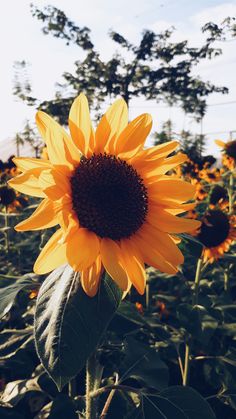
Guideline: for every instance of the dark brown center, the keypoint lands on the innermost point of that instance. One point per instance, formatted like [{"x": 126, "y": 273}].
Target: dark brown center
[
  {"x": 231, "y": 149},
  {"x": 214, "y": 228},
  {"x": 217, "y": 193},
  {"x": 109, "y": 196},
  {"x": 7, "y": 195}
]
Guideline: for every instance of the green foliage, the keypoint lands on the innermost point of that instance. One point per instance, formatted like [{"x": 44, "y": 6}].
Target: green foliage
[
  {"x": 156, "y": 68},
  {"x": 69, "y": 324}
]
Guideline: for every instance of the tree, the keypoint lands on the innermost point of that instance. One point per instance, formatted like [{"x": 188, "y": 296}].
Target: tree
[{"x": 156, "y": 68}]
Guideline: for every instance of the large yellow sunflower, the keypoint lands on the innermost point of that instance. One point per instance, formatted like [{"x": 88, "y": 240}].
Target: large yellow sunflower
[{"x": 115, "y": 205}]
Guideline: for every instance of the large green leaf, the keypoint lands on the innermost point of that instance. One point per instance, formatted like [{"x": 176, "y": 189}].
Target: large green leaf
[
  {"x": 143, "y": 364},
  {"x": 189, "y": 401},
  {"x": 175, "y": 402},
  {"x": 10, "y": 287},
  {"x": 69, "y": 324}
]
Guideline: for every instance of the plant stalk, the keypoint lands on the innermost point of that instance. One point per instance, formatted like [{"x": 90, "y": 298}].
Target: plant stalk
[
  {"x": 194, "y": 302},
  {"x": 93, "y": 378}
]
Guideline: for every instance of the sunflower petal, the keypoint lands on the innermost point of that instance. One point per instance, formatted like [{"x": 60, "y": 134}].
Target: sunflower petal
[
  {"x": 80, "y": 125},
  {"x": 220, "y": 143},
  {"x": 133, "y": 137},
  {"x": 60, "y": 148},
  {"x": 82, "y": 248},
  {"x": 90, "y": 278},
  {"x": 54, "y": 184},
  {"x": 162, "y": 243},
  {"x": 52, "y": 255},
  {"x": 171, "y": 189},
  {"x": 28, "y": 183},
  {"x": 25, "y": 164},
  {"x": 133, "y": 264},
  {"x": 152, "y": 257},
  {"x": 111, "y": 125},
  {"x": 43, "y": 217},
  {"x": 167, "y": 222},
  {"x": 112, "y": 262}
]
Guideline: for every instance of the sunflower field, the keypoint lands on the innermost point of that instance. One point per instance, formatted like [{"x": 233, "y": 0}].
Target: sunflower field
[{"x": 117, "y": 275}]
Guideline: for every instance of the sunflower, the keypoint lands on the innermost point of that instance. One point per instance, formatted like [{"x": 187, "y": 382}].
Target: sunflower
[
  {"x": 115, "y": 205},
  {"x": 229, "y": 153},
  {"x": 218, "y": 196},
  {"x": 217, "y": 232}
]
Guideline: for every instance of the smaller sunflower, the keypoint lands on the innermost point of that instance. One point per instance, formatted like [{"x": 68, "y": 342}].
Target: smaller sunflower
[
  {"x": 217, "y": 232},
  {"x": 210, "y": 175},
  {"x": 218, "y": 197},
  {"x": 229, "y": 153}
]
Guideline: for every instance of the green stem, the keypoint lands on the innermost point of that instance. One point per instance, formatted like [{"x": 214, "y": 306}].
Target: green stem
[
  {"x": 147, "y": 296},
  {"x": 230, "y": 192},
  {"x": 197, "y": 281},
  {"x": 186, "y": 365},
  {"x": 93, "y": 378},
  {"x": 226, "y": 281},
  {"x": 72, "y": 388},
  {"x": 108, "y": 401},
  {"x": 6, "y": 231},
  {"x": 194, "y": 302}
]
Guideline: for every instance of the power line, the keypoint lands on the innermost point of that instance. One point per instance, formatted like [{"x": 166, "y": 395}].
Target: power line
[{"x": 178, "y": 106}]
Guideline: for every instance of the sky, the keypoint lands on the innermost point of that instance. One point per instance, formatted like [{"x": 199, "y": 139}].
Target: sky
[{"x": 21, "y": 38}]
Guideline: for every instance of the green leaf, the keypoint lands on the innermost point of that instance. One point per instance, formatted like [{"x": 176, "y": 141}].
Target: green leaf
[
  {"x": 69, "y": 324},
  {"x": 157, "y": 407},
  {"x": 12, "y": 340},
  {"x": 143, "y": 364},
  {"x": 10, "y": 287},
  {"x": 63, "y": 407},
  {"x": 189, "y": 401},
  {"x": 197, "y": 321}
]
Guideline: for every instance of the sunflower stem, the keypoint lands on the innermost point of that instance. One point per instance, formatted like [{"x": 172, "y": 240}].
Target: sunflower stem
[
  {"x": 93, "y": 378},
  {"x": 108, "y": 401},
  {"x": 230, "y": 192},
  {"x": 6, "y": 225},
  {"x": 72, "y": 388},
  {"x": 226, "y": 281},
  {"x": 194, "y": 302}
]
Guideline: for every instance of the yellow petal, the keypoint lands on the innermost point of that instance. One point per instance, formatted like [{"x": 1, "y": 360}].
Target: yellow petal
[
  {"x": 155, "y": 168},
  {"x": 134, "y": 265},
  {"x": 90, "y": 278},
  {"x": 171, "y": 189},
  {"x": 156, "y": 152},
  {"x": 167, "y": 222},
  {"x": 183, "y": 208},
  {"x": 162, "y": 243},
  {"x": 152, "y": 257},
  {"x": 28, "y": 183},
  {"x": 220, "y": 143},
  {"x": 43, "y": 217},
  {"x": 112, "y": 262},
  {"x": 82, "y": 249},
  {"x": 60, "y": 147},
  {"x": 133, "y": 137},
  {"x": 54, "y": 184},
  {"x": 26, "y": 163},
  {"x": 80, "y": 125},
  {"x": 111, "y": 125},
  {"x": 52, "y": 256}
]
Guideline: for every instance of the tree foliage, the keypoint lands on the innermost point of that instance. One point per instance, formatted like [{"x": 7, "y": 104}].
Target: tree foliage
[{"x": 155, "y": 68}]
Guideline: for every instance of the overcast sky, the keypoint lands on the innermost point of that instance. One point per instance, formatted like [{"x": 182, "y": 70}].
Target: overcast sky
[{"x": 21, "y": 38}]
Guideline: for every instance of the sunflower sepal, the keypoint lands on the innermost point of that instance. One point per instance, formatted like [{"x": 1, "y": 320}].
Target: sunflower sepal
[{"x": 69, "y": 324}]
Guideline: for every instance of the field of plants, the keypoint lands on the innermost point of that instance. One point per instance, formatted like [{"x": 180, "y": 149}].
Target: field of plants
[
  {"x": 118, "y": 243},
  {"x": 169, "y": 353}
]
